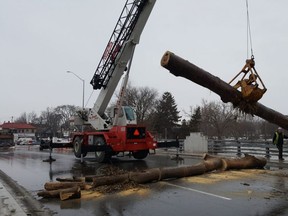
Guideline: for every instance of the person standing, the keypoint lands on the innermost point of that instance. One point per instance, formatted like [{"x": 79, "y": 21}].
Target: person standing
[{"x": 278, "y": 140}]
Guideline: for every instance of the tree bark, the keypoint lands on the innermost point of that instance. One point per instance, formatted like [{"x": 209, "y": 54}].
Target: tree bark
[
  {"x": 246, "y": 162},
  {"x": 75, "y": 193},
  {"x": 61, "y": 185},
  {"x": 70, "y": 190},
  {"x": 67, "y": 193},
  {"x": 209, "y": 164},
  {"x": 108, "y": 180},
  {"x": 180, "y": 67},
  {"x": 74, "y": 179}
]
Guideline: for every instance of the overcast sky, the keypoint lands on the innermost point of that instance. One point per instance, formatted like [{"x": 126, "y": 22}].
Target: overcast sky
[{"x": 41, "y": 39}]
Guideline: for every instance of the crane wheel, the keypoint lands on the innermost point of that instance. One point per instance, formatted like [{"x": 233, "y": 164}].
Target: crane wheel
[
  {"x": 77, "y": 143},
  {"x": 140, "y": 154},
  {"x": 101, "y": 156}
]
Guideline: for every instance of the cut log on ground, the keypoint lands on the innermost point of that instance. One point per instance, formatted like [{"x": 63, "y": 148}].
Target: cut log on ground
[
  {"x": 209, "y": 164},
  {"x": 111, "y": 179},
  {"x": 74, "y": 179},
  {"x": 67, "y": 193},
  {"x": 246, "y": 162},
  {"x": 61, "y": 185},
  {"x": 180, "y": 67},
  {"x": 151, "y": 175},
  {"x": 75, "y": 193}
]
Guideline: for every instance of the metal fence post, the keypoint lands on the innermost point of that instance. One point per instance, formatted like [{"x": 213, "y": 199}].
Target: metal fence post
[
  {"x": 238, "y": 148},
  {"x": 267, "y": 155}
]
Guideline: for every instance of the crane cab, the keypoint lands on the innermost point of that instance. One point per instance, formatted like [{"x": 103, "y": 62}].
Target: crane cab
[{"x": 123, "y": 116}]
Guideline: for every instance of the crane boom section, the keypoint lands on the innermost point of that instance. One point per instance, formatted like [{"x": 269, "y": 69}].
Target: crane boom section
[{"x": 119, "y": 50}]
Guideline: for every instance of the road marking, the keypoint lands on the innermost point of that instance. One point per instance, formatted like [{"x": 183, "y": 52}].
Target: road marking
[{"x": 198, "y": 191}]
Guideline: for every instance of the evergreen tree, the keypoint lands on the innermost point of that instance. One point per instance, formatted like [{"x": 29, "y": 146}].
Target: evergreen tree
[
  {"x": 195, "y": 121},
  {"x": 166, "y": 116},
  {"x": 185, "y": 129}
]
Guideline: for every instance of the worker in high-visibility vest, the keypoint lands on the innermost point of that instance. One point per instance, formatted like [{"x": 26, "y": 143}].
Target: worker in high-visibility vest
[{"x": 278, "y": 140}]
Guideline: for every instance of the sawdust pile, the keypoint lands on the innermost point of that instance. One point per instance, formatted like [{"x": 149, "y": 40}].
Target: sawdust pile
[{"x": 127, "y": 185}]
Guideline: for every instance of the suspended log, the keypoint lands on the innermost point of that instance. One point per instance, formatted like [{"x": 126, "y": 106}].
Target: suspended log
[
  {"x": 61, "y": 185},
  {"x": 71, "y": 192},
  {"x": 183, "y": 68}
]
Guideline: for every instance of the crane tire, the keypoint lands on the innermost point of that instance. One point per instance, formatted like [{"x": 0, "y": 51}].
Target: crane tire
[
  {"x": 139, "y": 155},
  {"x": 101, "y": 156},
  {"x": 77, "y": 147}
]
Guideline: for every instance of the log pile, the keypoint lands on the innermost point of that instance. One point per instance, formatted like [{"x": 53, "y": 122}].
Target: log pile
[
  {"x": 183, "y": 68},
  {"x": 71, "y": 188}
]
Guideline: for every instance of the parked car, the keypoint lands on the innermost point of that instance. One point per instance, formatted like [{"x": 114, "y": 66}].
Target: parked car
[{"x": 44, "y": 144}]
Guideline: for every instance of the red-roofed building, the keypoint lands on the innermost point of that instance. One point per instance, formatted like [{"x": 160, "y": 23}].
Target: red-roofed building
[{"x": 20, "y": 130}]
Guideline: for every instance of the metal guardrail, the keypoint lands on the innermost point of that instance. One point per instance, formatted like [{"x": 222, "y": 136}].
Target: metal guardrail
[
  {"x": 236, "y": 147},
  {"x": 178, "y": 143}
]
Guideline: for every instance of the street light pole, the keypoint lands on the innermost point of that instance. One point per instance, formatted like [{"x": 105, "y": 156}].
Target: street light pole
[{"x": 83, "y": 83}]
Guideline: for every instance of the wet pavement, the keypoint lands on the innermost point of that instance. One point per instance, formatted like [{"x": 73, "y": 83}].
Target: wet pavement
[
  {"x": 8, "y": 204},
  {"x": 245, "y": 192}
]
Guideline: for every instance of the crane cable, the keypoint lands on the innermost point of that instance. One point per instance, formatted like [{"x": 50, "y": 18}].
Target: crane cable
[{"x": 249, "y": 35}]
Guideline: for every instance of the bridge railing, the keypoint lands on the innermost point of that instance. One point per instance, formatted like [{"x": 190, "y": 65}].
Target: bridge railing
[{"x": 236, "y": 147}]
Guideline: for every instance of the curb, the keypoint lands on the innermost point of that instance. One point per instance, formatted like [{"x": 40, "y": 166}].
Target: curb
[
  {"x": 9, "y": 205},
  {"x": 16, "y": 201}
]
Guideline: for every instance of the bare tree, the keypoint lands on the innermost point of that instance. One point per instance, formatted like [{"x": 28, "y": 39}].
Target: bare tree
[
  {"x": 52, "y": 120},
  {"x": 32, "y": 117},
  {"x": 65, "y": 112},
  {"x": 22, "y": 118},
  {"x": 143, "y": 100},
  {"x": 217, "y": 118}
]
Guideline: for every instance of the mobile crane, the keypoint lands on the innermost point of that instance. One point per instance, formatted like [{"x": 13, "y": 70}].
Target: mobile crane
[{"x": 118, "y": 131}]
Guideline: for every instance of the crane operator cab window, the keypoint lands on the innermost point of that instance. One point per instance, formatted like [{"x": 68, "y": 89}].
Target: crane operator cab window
[
  {"x": 126, "y": 115},
  {"x": 130, "y": 114}
]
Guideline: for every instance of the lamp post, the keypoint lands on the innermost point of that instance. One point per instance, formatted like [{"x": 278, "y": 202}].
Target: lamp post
[{"x": 83, "y": 83}]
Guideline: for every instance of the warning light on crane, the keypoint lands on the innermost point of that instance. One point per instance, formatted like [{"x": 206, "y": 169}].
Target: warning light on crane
[{"x": 136, "y": 133}]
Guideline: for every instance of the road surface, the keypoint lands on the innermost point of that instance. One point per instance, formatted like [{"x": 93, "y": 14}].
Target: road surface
[{"x": 245, "y": 192}]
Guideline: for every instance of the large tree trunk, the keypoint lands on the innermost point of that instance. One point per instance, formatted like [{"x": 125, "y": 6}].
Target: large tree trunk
[
  {"x": 150, "y": 175},
  {"x": 180, "y": 67},
  {"x": 246, "y": 162},
  {"x": 209, "y": 164}
]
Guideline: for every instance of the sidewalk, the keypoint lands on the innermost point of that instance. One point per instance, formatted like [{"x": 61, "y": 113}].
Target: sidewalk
[
  {"x": 8, "y": 204},
  {"x": 16, "y": 201}
]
